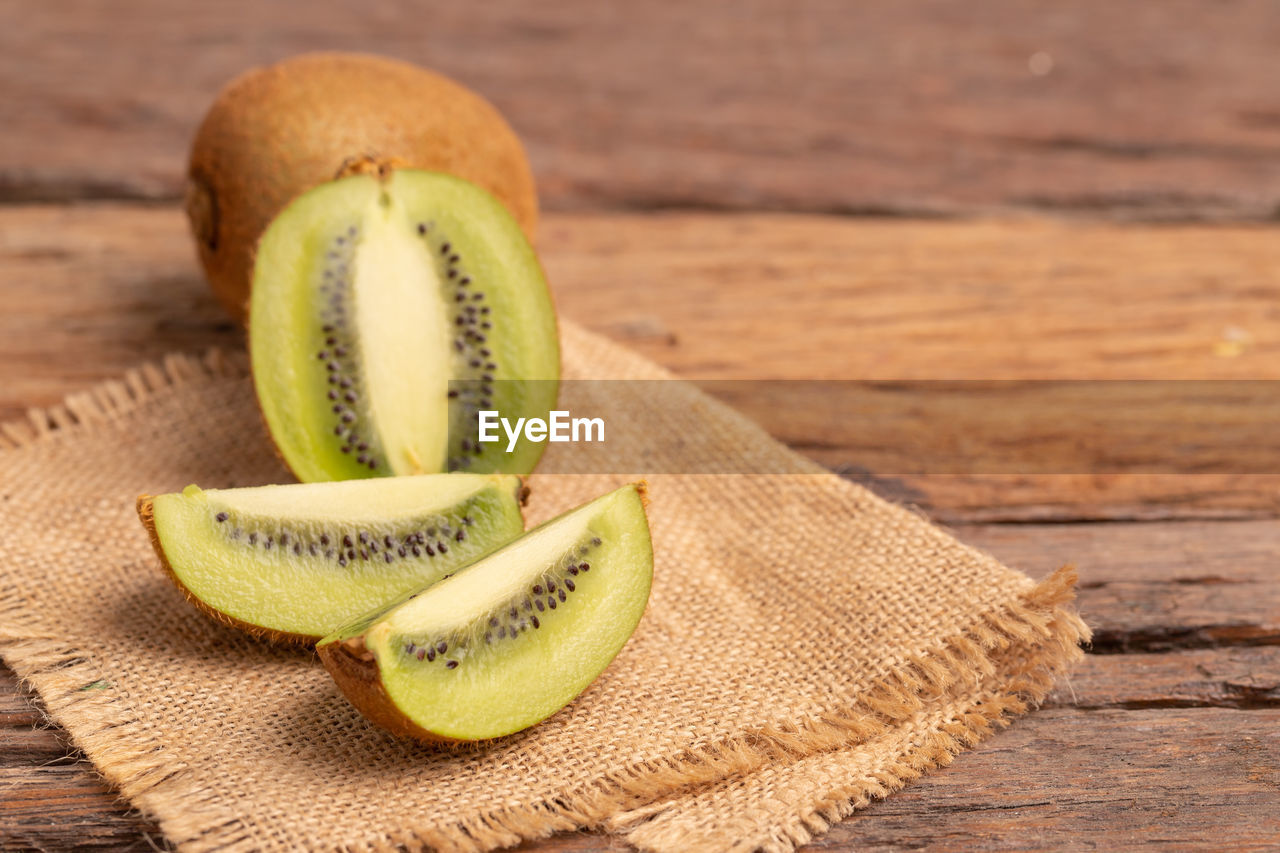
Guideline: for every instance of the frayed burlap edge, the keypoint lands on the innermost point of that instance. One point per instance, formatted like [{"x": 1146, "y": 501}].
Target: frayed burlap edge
[
  {"x": 127, "y": 755},
  {"x": 109, "y": 400},
  {"x": 1017, "y": 679}
]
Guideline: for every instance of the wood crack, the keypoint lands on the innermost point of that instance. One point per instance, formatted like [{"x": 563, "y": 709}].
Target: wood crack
[
  {"x": 1246, "y": 699},
  {"x": 1169, "y": 638}
]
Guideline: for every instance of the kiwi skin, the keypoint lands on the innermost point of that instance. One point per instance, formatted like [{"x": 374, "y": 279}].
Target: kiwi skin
[
  {"x": 275, "y": 132},
  {"x": 146, "y": 513},
  {"x": 355, "y": 670}
]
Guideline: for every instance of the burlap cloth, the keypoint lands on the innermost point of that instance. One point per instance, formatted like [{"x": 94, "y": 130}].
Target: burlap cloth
[{"x": 807, "y": 646}]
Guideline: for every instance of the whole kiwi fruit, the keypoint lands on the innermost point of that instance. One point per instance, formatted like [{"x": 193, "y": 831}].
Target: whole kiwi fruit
[{"x": 275, "y": 132}]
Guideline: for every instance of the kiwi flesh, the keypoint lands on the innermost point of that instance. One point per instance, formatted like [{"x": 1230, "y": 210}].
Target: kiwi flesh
[
  {"x": 510, "y": 639},
  {"x": 296, "y": 562},
  {"x": 275, "y": 132},
  {"x": 387, "y": 310}
]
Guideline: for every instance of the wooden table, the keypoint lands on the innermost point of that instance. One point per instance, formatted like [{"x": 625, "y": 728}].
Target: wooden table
[{"x": 787, "y": 189}]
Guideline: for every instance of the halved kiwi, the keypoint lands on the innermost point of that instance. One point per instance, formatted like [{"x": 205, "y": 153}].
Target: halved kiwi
[
  {"x": 297, "y": 562},
  {"x": 509, "y": 640},
  {"x": 277, "y": 131},
  {"x": 387, "y": 310}
]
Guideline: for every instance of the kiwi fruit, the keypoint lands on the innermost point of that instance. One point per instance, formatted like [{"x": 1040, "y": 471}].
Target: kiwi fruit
[
  {"x": 387, "y": 311},
  {"x": 510, "y": 639},
  {"x": 297, "y": 562},
  {"x": 275, "y": 132}
]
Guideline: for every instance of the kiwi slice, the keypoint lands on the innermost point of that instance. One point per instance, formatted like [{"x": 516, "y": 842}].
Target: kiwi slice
[
  {"x": 387, "y": 311},
  {"x": 297, "y": 562},
  {"x": 509, "y": 640}
]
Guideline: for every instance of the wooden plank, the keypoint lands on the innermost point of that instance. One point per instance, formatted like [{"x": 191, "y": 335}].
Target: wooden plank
[
  {"x": 1067, "y": 779},
  {"x": 1156, "y": 587},
  {"x": 1246, "y": 678},
  {"x": 802, "y": 297},
  {"x": 1153, "y": 110},
  {"x": 67, "y": 807},
  {"x": 1058, "y": 498},
  {"x": 94, "y": 290},
  {"x": 53, "y": 798}
]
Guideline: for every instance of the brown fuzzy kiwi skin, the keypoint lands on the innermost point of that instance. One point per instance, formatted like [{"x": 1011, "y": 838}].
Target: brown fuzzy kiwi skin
[
  {"x": 275, "y": 132},
  {"x": 355, "y": 670},
  {"x": 146, "y": 513}
]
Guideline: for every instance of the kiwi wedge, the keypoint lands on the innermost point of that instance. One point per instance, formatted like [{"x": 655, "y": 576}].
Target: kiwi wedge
[
  {"x": 387, "y": 311},
  {"x": 297, "y": 562},
  {"x": 510, "y": 639}
]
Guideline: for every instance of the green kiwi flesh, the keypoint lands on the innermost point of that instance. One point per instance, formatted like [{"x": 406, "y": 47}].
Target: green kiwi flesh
[
  {"x": 509, "y": 640},
  {"x": 299, "y": 561},
  {"x": 386, "y": 311}
]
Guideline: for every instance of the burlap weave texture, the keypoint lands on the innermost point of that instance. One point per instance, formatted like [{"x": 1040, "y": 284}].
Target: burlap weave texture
[{"x": 807, "y": 645}]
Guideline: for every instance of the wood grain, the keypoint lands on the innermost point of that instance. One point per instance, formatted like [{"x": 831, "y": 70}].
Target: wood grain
[
  {"x": 1245, "y": 678},
  {"x": 93, "y": 290},
  {"x": 52, "y": 798},
  {"x": 1068, "y": 779},
  {"x": 1164, "y": 110},
  {"x": 1156, "y": 587}
]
